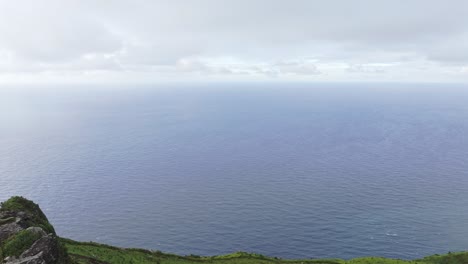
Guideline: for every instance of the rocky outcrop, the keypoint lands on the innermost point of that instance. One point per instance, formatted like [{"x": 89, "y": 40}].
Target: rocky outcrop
[
  {"x": 26, "y": 236},
  {"x": 44, "y": 250},
  {"x": 10, "y": 227}
]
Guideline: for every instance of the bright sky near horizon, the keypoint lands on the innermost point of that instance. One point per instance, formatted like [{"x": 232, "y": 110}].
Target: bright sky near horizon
[{"x": 233, "y": 40}]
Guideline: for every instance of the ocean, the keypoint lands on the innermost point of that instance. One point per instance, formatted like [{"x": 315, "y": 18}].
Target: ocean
[{"x": 287, "y": 170}]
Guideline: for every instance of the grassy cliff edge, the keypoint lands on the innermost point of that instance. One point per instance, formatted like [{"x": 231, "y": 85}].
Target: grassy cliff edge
[
  {"x": 18, "y": 215},
  {"x": 86, "y": 252}
]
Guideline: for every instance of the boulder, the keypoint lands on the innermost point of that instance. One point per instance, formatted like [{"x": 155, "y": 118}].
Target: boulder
[
  {"x": 36, "y": 241},
  {"x": 43, "y": 251}
]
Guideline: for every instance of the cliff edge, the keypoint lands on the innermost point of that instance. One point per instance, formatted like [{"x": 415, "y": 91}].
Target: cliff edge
[{"x": 26, "y": 236}]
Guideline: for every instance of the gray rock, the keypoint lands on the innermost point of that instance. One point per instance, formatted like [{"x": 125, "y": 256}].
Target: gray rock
[
  {"x": 7, "y": 230},
  {"x": 37, "y": 230},
  {"x": 43, "y": 251}
]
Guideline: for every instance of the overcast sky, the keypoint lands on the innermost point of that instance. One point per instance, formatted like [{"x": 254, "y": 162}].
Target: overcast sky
[{"x": 233, "y": 40}]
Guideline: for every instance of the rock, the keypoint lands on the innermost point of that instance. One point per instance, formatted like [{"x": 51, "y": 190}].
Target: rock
[
  {"x": 37, "y": 230},
  {"x": 8, "y": 230},
  {"x": 43, "y": 251},
  {"x": 20, "y": 215}
]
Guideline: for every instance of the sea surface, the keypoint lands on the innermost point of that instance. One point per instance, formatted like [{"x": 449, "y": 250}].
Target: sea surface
[{"x": 287, "y": 170}]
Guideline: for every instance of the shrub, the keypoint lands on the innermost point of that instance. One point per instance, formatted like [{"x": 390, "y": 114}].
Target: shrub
[{"x": 17, "y": 244}]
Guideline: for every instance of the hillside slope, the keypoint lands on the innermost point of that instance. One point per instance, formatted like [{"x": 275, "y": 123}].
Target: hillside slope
[
  {"x": 87, "y": 253},
  {"x": 27, "y": 237}
]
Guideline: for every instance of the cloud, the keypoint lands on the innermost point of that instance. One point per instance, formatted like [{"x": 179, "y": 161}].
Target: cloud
[
  {"x": 366, "y": 68},
  {"x": 274, "y": 38},
  {"x": 274, "y": 69},
  {"x": 297, "y": 67},
  {"x": 37, "y": 32},
  {"x": 450, "y": 50}
]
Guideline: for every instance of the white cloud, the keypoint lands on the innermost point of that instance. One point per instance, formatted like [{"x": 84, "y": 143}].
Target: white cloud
[
  {"x": 298, "y": 39},
  {"x": 366, "y": 68},
  {"x": 52, "y": 32},
  {"x": 297, "y": 67}
]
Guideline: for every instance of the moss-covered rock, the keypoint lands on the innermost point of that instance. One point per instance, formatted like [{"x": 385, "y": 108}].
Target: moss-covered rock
[
  {"x": 21, "y": 241},
  {"x": 26, "y": 236},
  {"x": 32, "y": 213}
]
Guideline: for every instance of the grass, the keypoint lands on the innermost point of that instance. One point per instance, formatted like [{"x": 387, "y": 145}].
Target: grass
[
  {"x": 93, "y": 253},
  {"x": 109, "y": 254},
  {"x": 450, "y": 258},
  {"x": 89, "y": 252},
  {"x": 17, "y": 244}
]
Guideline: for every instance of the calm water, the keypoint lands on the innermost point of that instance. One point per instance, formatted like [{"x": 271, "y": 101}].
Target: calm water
[{"x": 294, "y": 171}]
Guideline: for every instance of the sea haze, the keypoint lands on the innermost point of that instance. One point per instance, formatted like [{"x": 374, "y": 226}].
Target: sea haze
[{"x": 294, "y": 171}]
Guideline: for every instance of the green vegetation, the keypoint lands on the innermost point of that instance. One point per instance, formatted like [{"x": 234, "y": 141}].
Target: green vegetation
[
  {"x": 84, "y": 252},
  {"x": 36, "y": 216},
  {"x": 17, "y": 244},
  {"x": 30, "y": 215},
  {"x": 69, "y": 251},
  {"x": 450, "y": 258},
  {"x": 88, "y": 252},
  {"x": 63, "y": 257}
]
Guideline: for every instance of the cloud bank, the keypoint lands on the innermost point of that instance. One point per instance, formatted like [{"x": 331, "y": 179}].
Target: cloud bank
[{"x": 360, "y": 40}]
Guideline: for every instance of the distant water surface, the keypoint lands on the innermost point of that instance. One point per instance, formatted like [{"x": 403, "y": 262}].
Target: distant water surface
[{"x": 295, "y": 171}]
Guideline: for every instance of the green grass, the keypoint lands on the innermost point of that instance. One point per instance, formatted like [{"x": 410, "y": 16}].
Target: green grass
[
  {"x": 93, "y": 253},
  {"x": 17, "y": 244},
  {"x": 114, "y": 255},
  {"x": 86, "y": 253},
  {"x": 450, "y": 258}
]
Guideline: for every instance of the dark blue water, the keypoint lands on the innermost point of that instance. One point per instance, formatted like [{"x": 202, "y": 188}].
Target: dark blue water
[{"x": 294, "y": 171}]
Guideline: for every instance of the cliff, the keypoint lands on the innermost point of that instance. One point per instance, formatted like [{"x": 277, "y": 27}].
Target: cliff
[{"x": 27, "y": 237}]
